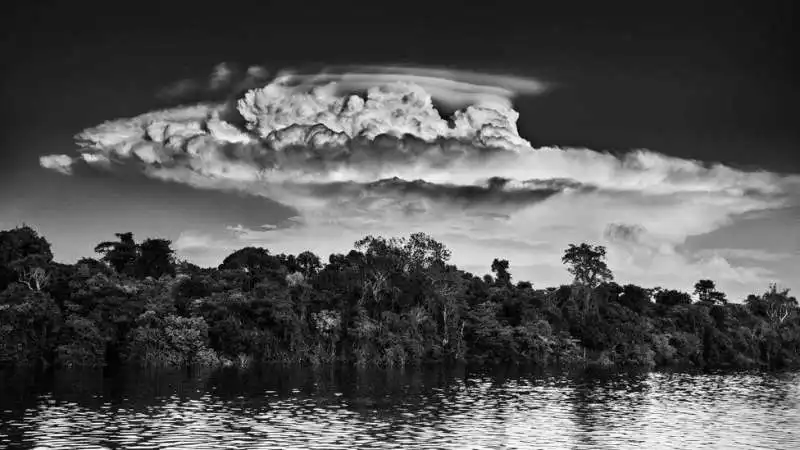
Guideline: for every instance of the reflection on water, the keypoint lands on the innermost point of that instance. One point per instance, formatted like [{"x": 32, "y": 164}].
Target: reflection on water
[{"x": 434, "y": 408}]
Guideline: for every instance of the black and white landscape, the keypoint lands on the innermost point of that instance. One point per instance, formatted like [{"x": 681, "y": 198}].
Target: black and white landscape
[{"x": 288, "y": 225}]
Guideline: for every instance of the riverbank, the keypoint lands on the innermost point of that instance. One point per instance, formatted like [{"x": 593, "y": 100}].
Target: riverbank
[
  {"x": 388, "y": 303},
  {"x": 235, "y": 330}
]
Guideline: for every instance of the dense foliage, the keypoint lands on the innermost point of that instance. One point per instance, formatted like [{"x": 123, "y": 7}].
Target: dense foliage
[{"x": 388, "y": 302}]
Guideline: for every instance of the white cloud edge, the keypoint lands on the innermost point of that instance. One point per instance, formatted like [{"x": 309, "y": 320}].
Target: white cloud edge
[{"x": 703, "y": 198}]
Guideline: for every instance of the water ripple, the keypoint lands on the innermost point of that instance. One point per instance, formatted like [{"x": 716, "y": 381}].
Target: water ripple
[{"x": 306, "y": 410}]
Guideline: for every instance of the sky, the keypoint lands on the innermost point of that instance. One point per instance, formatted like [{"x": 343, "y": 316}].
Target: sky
[{"x": 665, "y": 134}]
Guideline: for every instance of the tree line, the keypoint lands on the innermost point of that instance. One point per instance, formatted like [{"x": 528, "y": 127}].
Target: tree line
[{"x": 387, "y": 302}]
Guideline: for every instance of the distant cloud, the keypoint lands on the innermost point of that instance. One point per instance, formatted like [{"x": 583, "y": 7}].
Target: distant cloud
[
  {"x": 59, "y": 163},
  {"x": 748, "y": 253},
  {"x": 385, "y": 161},
  {"x": 624, "y": 233}
]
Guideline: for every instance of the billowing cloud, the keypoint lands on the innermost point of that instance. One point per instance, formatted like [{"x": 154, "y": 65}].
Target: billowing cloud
[
  {"x": 394, "y": 109},
  {"x": 367, "y": 151}
]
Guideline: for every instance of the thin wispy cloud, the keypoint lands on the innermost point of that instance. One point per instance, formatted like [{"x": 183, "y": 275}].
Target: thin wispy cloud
[
  {"x": 753, "y": 254},
  {"x": 224, "y": 80},
  {"x": 451, "y": 88},
  {"x": 366, "y": 151}
]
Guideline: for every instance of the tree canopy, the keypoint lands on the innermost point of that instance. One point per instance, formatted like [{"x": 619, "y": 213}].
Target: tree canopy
[
  {"x": 387, "y": 302},
  {"x": 23, "y": 253},
  {"x": 587, "y": 264},
  {"x": 119, "y": 254}
]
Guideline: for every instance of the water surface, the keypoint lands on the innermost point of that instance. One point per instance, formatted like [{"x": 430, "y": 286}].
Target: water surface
[{"x": 442, "y": 408}]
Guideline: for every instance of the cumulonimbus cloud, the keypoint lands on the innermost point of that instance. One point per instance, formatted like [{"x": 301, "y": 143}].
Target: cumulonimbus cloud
[
  {"x": 324, "y": 118},
  {"x": 365, "y": 150}
]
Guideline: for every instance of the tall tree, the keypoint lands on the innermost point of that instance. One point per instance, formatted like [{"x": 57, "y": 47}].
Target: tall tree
[
  {"x": 383, "y": 255},
  {"x": 24, "y": 257},
  {"x": 425, "y": 252},
  {"x": 119, "y": 254},
  {"x": 776, "y": 305},
  {"x": 155, "y": 258},
  {"x": 706, "y": 292},
  {"x": 22, "y": 242},
  {"x": 587, "y": 264},
  {"x": 500, "y": 269},
  {"x": 309, "y": 263},
  {"x": 250, "y": 259}
]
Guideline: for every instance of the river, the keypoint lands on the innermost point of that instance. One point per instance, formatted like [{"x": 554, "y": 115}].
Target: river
[{"x": 436, "y": 408}]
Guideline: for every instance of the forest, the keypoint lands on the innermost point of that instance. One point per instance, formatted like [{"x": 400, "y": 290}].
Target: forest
[{"x": 389, "y": 302}]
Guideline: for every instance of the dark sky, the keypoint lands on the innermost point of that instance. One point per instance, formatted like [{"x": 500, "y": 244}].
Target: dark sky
[{"x": 712, "y": 81}]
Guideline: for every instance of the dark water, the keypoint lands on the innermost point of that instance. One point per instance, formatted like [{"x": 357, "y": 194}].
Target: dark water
[{"x": 434, "y": 408}]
